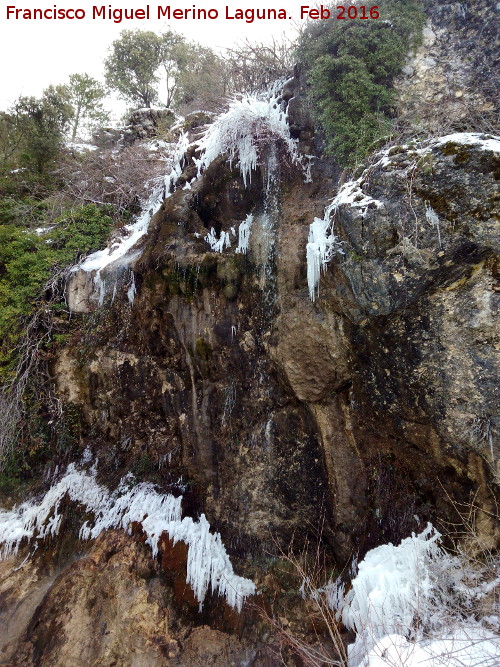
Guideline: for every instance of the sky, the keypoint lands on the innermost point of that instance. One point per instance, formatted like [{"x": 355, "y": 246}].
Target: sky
[{"x": 35, "y": 53}]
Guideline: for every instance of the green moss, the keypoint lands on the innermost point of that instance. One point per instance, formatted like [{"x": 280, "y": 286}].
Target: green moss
[
  {"x": 230, "y": 291},
  {"x": 144, "y": 468},
  {"x": 230, "y": 270},
  {"x": 187, "y": 280},
  {"x": 196, "y": 119},
  {"x": 202, "y": 349},
  {"x": 354, "y": 256},
  {"x": 450, "y": 148},
  {"x": 426, "y": 164},
  {"x": 395, "y": 150}
]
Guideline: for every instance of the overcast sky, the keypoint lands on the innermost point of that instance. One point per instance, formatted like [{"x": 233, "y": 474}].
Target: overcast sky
[{"x": 36, "y": 53}]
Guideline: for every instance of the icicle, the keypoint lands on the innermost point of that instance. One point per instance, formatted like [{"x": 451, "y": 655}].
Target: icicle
[
  {"x": 433, "y": 219},
  {"x": 244, "y": 234},
  {"x": 218, "y": 244},
  {"x": 99, "y": 288},
  {"x": 208, "y": 564},
  {"x": 240, "y": 131},
  {"x": 308, "y": 175},
  {"x": 321, "y": 246},
  {"x": 132, "y": 289}
]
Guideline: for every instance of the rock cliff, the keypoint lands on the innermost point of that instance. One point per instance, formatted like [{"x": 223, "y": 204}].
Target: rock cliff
[{"x": 356, "y": 416}]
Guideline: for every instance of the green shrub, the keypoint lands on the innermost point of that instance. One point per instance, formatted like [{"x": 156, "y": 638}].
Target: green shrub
[
  {"x": 350, "y": 68},
  {"x": 27, "y": 260}
]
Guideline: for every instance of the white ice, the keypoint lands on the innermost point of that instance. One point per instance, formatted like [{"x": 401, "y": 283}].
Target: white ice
[
  {"x": 208, "y": 565},
  {"x": 410, "y": 605},
  {"x": 218, "y": 244},
  {"x": 244, "y": 234},
  {"x": 250, "y": 123},
  {"x": 460, "y": 647},
  {"x": 131, "y": 289},
  {"x": 322, "y": 244}
]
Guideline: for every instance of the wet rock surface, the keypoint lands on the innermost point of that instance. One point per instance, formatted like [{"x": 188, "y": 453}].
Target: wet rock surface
[
  {"x": 279, "y": 418},
  {"x": 356, "y": 413},
  {"x": 110, "y": 606}
]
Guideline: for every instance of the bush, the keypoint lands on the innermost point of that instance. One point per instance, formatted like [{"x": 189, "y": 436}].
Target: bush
[
  {"x": 28, "y": 259},
  {"x": 350, "y": 67}
]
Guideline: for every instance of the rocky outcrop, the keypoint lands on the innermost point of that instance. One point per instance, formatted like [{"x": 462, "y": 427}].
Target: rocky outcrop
[
  {"x": 141, "y": 124},
  {"x": 147, "y": 123},
  {"x": 108, "y": 607},
  {"x": 418, "y": 282},
  {"x": 357, "y": 413},
  {"x": 348, "y": 420},
  {"x": 451, "y": 81},
  {"x": 276, "y": 407}
]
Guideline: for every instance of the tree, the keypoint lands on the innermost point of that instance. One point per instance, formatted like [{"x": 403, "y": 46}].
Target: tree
[
  {"x": 141, "y": 61},
  {"x": 351, "y": 67},
  {"x": 202, "y": 76},
  {"x": 41, "y": 123},
  {"x": 10, "y": 141},
  {"x": 86, "y": 95},
  {"x": 251, "y": 66},
  {"x": 174, "y": 59},
  {"x": 132, "y": 67}
]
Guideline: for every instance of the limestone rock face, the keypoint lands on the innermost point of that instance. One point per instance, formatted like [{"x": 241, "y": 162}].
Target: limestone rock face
[
  {"x": 371, "y": 406},
  {"x": 107, "y": 607},
  {"x": 277, "y": 417},
  {"x": 451, "y": 80},
  {"x": 276, "y": 407},
  {"x": 419, "y": 283}
]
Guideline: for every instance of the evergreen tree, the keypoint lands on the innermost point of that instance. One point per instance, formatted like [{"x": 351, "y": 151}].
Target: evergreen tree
[{"x": 86, "y": 96}]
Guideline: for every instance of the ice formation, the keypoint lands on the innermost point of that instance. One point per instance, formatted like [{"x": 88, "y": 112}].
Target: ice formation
[
  {"x": 244, "y": 234},
  {"x": 249, "y": 123},
  {"x": 208, "y": 565},
  {"x": 401, "y": 606},
  {"x": 131, "y": 289},
  {"x": 474, "y": 646},
  {"x": 322, "y": 244},
  {"x": 433, "y": 219},
  {"x": 118, "y": 253},
  {"x": 218, "y": 244},
  {"x": 389, "y": 582}
]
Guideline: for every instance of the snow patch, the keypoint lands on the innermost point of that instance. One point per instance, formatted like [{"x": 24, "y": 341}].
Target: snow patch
[
  {"x": 483, "y": 141},
  {"x": 81, "y": 147},
  {"x": 41, "y": 231}
]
